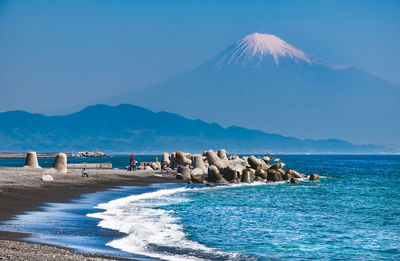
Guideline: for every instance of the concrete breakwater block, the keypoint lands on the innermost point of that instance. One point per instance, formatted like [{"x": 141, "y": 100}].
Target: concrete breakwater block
[
  {"x": 198, "y": 165},
  {"x": 181, "y": 159},
  {"x": 59, "y": 165},
  {"x": 222, "y": 154},
  {"x": 90, "y": 166},
  {"x": 47, "y": 177},
  {"x": 88, "y": 154},
  {"x": 166, "y": 162},
  {"x": 31, "y": 160},
  {"x": 221, "y": 168},
  {"x": 314, "y": 177}
]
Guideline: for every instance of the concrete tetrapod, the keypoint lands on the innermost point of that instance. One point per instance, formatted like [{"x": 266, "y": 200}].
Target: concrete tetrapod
[
  {"x": 266, "y": 159},
  {"x": 248, "y": 175},
  {"x": 314, "y": 177},
  {"x": 173, "y": 164},
  {"x": 213, "y": 159},
  {"x": 166, "y": 162},
  {"x": 60, "y": 163},
  {"x": 274, "y": 175},
  {"x": 186, "y": 173},
  {"x": 231, "y": 174},
  {"x": 214, "y": 175},
  {"x": 31, "y": 160},
  {"x": 254, "y": 162},
  {"x": 222, "y": 154},
  {"x": 261, "y": 173},
  {"x": 155, "y": 166},
  {"x": 278, "y": 166},
  {"x": 246, "y": 162},
  {"x": 294, "y": 173},
  {"x": 198, "y": 165},
  {"x": 294, "y": 180},
  {"x": 181, "y": 159}
]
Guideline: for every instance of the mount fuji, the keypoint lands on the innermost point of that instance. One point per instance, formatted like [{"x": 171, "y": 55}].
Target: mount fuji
[
  {"x": 263, "y": 82},
  {"x": 256, "y": 48}
]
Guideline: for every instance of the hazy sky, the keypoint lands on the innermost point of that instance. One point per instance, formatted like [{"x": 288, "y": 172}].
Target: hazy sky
[{"x": 66, "y": 53}]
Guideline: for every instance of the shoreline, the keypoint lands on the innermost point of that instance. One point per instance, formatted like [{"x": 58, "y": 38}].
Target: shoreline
[
  {"x": 23, "y": 190},
  {"x": 22, "y": 155}
]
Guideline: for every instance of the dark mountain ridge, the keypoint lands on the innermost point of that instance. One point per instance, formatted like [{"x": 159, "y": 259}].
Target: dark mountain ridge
[{"x": 126, "y": 128}]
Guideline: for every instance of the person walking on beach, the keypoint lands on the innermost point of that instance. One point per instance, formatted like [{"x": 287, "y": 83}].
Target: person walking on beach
[{"x": 84, "y": 173}]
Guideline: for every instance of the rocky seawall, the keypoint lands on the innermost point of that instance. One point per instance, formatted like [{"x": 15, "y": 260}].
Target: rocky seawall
[
  {"x": 218, "y": 168},
  {"x": 89, "y": 154}
]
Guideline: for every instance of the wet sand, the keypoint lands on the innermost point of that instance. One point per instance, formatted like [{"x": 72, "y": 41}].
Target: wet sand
[{"x": 22, "y": 189}]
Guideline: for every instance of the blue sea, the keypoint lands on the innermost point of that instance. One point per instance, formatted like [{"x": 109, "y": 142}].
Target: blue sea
[{"x": 353, "y": 212}]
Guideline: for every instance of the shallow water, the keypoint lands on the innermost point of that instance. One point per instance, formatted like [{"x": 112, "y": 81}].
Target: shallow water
[{"x": 353, "y": 212}]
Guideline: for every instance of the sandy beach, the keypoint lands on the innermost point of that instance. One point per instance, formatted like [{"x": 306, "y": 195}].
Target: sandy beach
[{"x": 22, "y": 189}]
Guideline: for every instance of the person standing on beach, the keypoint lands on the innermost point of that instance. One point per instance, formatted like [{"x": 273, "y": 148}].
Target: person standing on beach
[{"x": 131, "y": 162}]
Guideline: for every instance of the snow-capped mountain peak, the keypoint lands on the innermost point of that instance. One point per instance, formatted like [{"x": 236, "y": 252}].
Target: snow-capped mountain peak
[{"x": 254, "y": 48}]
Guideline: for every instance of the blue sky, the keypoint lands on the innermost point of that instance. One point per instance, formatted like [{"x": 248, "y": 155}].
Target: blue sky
[{"x": 68, "y": 53}]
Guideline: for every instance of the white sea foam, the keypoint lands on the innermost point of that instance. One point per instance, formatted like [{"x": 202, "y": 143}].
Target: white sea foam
[
  {"x": 148, "y": 227},
  {"x": 153, "y": 231}
]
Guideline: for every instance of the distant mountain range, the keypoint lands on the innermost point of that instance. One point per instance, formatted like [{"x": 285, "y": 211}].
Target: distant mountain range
[
  {"x": 264, "y": 83},
  {"x": 129, "y": 128}
]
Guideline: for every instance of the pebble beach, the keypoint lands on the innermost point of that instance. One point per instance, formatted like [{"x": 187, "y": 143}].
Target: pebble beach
[{"x": 22, "y": 189}]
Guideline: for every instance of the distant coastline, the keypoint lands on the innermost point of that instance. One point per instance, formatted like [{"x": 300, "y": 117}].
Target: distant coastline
[
  {"x": 106, "y": 128},
  {"x": 19, "y": 155}
]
